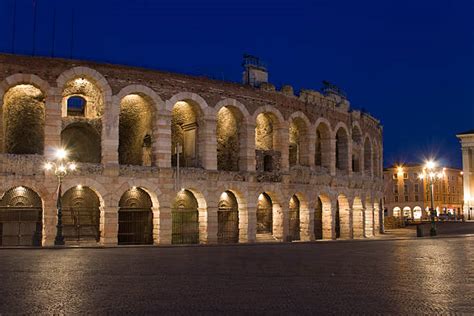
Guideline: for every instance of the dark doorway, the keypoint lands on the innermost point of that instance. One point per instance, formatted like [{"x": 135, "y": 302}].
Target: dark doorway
[
  {"x": 228, "y": 219},
  {"x": 135, "y": 218}
]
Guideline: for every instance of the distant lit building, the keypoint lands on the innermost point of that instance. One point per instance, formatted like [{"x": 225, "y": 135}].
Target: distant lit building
[
  {"x": 467, "y": 145},
  {"x": 405, "y": 194}
]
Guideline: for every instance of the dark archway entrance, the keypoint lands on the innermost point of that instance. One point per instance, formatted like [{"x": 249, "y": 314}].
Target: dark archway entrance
[
  {"x": 228, "y": 219},
  {"x": 294, "y": 216},
  {"x": 20, "y": 218},
  {"x": 264, "y": 214},
  {"x": 135, "y": 218},
  {"x": 81, "y": 214},
  {"x": 318, "y": 220},
  {"x": 185, "y": 219},
  {"x": 338, "y": 221}
]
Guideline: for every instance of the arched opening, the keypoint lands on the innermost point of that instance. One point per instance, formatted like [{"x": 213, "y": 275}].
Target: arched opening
[
  {"x": 185, "y": 219},
  {"x": 318, "y": 219},
  {"x": 356, "y": 148},
  {"x": 135, "y": 218},
  {"x": 337, "y": 221},
  {"x": 376, "y": 161},
  {"x": 367, "y": 157},
  {"x": 264, "y": 214},
  {"x": 298, "y": 143},
  {"x": 76, "y": 106},
  {"x": 342, "y": 150},
  {"x": 185, "y": 133},
  {"x": 417, "y": 213},
  {"x": 267, "y": 152},
  {"x": 23, "y": 120},
  {"x": 81, "y": 215},
  {"x": 228, "y": 138},
  {"x": 344, "y": 217},
  {"x": 323, "y": 146},
  {"x": 358, "y": 218},
  {"x": 294, "y": 218},
  {"x": 136, "y": 130},
  {"x": 83, "y": 142},
  {"x": 20, "y": 218},
  {"x": 407, "y": 212},
  {"x": 82, "y": 98},
  {"x": 397, "y": 211},
  {"x": 228, "y": 218}
]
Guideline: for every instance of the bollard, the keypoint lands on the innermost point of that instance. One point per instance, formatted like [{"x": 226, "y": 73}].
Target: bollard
[{"x": 419, "y": 230}]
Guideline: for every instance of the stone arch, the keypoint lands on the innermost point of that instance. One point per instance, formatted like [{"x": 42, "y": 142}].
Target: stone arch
[
  {"x": 341, "y": 136},
  {"x": 396, "y": 211},
  {"x": 188, "y": 128},
  {"x": 407, "y": 212},
  {"x": 157, "y": 101},
  {"x": 21, "y": 217},
  {"x": 299, "y": 139},
  {"x": 135, "y": 217},
  {"x": 344, "y": 214},
  {"x": 268, "y": 139},
  {"x": 236, "y": 104},
  {"x": 323, "y": 151},
  {"x": 305, "y": 217},
  {"x": 417, "y": 213},
  {"x": 189, "y": 217},
  {"x": 326, "y": 220},
  {"x": 23, "y": 120},
  {"x": 137, "y": 129},
  {"x": 243, "y": 214},
  {"x": 270, "y": 219},
  {"x": 294, "y": 214},
  {"x": 228, "y": 218},
  {"x": 368, "y": 154},
  {"x": 358, "y": 217},
  {"x": 82, "y": 141},
  {"x": 356, "y": 147},
  {"x": 230, "y": 136}
]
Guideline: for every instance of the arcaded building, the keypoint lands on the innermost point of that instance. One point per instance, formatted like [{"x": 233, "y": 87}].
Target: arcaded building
[
  {"x": 255, "y": 164},
  {"x": 467, "y": 147}
]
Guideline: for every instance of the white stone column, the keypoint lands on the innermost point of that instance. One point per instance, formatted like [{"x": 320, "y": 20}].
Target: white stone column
[
  {"x": 247, "y": 147},
  {"x": 162, "y": 140},
  {"x": 358, "y": 220},
  {"x": 369, "y": 220},
  {"x": 208, "y": 144},
  {"x": 307, "y": 223},
  {"x": 162, "y": 225},
  {"x": 244, "y": 229},
  {"x": 345, "y": 221},
  {"x": 110, "y": 132},
  {"x": 281, "y": 143},
  {"x": 252, "y": 221},
  {"x": 53, "y": 121},
  {"x": 109, "y": 226},
  {"x": 208, "y": 224},
  {"x": 50, "y": 219},
  {"x": 329, "y": 222},
  {"x": 376, "y": 220},
  {"x": 280, "y": 221}
]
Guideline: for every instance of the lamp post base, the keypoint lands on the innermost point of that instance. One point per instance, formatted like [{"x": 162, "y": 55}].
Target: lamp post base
[
  {"x": 433, "y": 231},
  {"x": 59, "y": 241}
]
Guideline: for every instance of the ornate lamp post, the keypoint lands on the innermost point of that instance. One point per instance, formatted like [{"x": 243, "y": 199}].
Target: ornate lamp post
[
  {"x": 431, "y": 173},
  {"x": 61, "y": 166}
]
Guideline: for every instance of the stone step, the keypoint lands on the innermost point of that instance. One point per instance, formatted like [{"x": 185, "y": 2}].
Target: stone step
[{"x": 265, "y": 238}]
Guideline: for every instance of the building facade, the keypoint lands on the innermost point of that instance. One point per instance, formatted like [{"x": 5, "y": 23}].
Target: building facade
[
  {"x": 467, "y": 147},
  {"x": 256, "y": 164},
  {"x": 408, "y": 196}
]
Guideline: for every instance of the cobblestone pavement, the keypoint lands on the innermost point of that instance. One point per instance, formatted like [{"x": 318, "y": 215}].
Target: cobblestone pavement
[
  {"x": 415, "y": 276},
  {"x": 443, "y": 229}
]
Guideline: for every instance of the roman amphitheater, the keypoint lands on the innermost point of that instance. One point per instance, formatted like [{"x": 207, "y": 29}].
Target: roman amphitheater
[{"x": 256, "y": 164}]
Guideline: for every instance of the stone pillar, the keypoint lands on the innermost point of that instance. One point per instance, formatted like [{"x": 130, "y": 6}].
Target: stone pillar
[
  {"x": 332, "y": 156},
  {"x": 245, "y": 234},
  {"x": 162, "y": 225},
  {"x": 345, "y": 221},
  {"x": 280, "y": 221},
  {"x": 377, "y": 220},
  {"x": 53, "y": 122},
  {"x": 162, "y": 140},
  {"x": 358, "y": 222},
  {"x": 247, "y": 147},
  {"x": 311, "y": 150},
  {"x": 208, "y": 144},
  {"x": 110, "y": 132},
  {"x": 281, "y": 143},
  {"x": 109, "y": 225},
  {"x": 467, "y": 175},
  {"x": 329, "y": 223},
  {"x": 50, "y": 219},
  {"x": 369, "y": 220},
  {"x": 307, "y": 223},
  {"x": 208, "y": 224},
  {"x": 349, "y": 157},
  {"x": 252, "y": 221}
]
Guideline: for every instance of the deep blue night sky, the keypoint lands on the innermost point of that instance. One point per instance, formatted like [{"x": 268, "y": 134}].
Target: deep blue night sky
[{"x": 409, "y": 63}]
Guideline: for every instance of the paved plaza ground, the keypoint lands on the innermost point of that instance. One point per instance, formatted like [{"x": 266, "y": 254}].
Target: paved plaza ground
[{"x": 405, "y": 276}]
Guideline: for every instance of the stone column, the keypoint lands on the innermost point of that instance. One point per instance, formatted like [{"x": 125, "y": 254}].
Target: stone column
[
  {"x": 53, "y": 121},
  {"x": 162, "y": 140},
  {"x": 252, "y": 221},
  {"x": 50, "y": 219},
  {"x": 109, "y": 226},
  {"x": 332, "y": 156},
  {"x": 369, "y": 220},
  {"x": 110, "y": 132},
  {"x": 280, "y": 222},
  {"x": 307, "y": 223},
  {"x": 349, "y": 157},
  {"x": 245, "y": 234},
  {"x": 329, "y": 223},
  {"x": 358, "y": 220},
  {"x": 281, "y": 143},
  {"x": 377, "y": 220},
  {"x": 208, "y": 224},
  {"x": 208, "y": 144},
  {"x": 345, "y": 221},
  {"x": 162, "y": 225},
  {"x": 311, "y": 152},
  {"x": 467, "y": 174},
  {"x": 247, "y": 147}
]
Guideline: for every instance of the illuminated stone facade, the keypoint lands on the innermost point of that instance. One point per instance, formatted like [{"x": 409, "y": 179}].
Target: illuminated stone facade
[
  {"x": 467, "y": 147},
  {"x": 256, "y": 164},
  {"x": 408, "y": 196}
]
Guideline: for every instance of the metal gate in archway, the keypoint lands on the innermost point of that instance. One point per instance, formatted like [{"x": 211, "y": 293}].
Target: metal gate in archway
[
  {"x": 228, "y": 219},
  {"x": 81, "y": 215},
  {"x": 20, "y": 218},
  {"x": 337, "y": 221},
  {"x": 264, "y": 214},
  {"x": 185, "y": 226},
  {"x": 318, "y": 220},
  {"x": 294, "y": 218},
  {"x": 135, "y": 218}
]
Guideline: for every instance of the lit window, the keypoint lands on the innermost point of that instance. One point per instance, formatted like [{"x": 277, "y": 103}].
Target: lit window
[{"x": 76, "y": 106}]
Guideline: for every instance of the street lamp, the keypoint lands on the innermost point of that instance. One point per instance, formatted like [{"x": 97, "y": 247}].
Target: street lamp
[
  {"x": 61, "y": 166},
  {"x": 432, "y": 173}
]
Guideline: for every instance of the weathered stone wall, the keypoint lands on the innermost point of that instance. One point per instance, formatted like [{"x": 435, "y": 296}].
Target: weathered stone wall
[
  {"x": 228, "y": 145},
  {"x": 89, "y": 91},
  {"x": 264, "y": 132}
]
